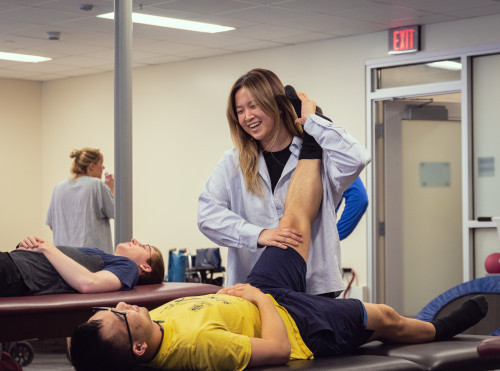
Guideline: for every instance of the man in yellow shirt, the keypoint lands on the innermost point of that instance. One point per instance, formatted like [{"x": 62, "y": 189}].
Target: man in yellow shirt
[{"x": 269, "y": 320}]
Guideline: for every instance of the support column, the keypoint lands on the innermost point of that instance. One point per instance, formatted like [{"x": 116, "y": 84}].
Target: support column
[{"x": 123, "y": 120}]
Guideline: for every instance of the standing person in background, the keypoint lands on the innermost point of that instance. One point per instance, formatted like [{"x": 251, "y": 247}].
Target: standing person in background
[
  {"x": 81, "y": 206},
  {"x": 244, "y": 199}
]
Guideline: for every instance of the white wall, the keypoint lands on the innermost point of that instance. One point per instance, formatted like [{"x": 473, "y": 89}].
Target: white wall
[{"x": 180, "y": 130}]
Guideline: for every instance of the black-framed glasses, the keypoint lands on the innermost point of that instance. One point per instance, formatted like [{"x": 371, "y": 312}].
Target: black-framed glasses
[{"x": 124, "y": 315}]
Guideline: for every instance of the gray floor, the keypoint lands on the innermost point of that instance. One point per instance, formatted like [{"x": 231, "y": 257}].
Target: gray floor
[
  {"x": 49, "y": 362},
  {"x": 50, "y": 355}
]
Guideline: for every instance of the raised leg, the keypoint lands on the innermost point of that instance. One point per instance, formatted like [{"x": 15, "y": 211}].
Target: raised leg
[{"x": 303, "y": 200}]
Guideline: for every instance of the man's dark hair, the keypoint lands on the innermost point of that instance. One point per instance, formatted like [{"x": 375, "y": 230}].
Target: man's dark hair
[
  {"x": 157, "y": 274},
  {"x": 89, "y": 352}
]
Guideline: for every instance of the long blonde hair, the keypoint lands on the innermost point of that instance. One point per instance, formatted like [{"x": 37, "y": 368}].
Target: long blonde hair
[{"x": 269, "y": 94}]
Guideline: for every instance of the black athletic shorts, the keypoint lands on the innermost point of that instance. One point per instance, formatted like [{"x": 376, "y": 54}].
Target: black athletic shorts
[{"x": 327, "y": 326}]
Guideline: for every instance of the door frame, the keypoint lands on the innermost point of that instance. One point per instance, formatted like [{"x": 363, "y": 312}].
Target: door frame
[{"x": 376, "y": 286}]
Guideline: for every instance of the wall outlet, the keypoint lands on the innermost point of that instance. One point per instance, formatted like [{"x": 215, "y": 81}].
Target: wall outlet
[{"x": 357, "y": 292}]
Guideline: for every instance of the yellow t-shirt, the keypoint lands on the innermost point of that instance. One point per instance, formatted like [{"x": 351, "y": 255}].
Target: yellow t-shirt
[{"x": 212, "y": 332}]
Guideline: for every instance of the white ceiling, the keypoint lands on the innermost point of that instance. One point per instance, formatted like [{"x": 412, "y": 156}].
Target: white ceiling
[{"x": 86, "y": 42}]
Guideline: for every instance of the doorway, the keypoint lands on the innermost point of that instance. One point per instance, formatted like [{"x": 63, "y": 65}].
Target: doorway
[{"x": 418, "y": 221}]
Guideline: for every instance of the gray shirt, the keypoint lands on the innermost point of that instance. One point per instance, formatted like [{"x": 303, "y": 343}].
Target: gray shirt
[
  {"x": 79, "y": 214},
  {"x": 40, "y": 275}
]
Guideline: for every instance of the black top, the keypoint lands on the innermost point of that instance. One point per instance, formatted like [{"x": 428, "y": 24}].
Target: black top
[{"x": 276, "y": 162}]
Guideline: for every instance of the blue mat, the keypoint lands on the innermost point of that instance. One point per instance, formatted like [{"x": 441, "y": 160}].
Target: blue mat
[{"x": 489, "y": 284}]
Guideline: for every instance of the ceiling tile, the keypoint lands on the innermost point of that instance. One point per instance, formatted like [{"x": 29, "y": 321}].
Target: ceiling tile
[{"x": 86, "y": 45}]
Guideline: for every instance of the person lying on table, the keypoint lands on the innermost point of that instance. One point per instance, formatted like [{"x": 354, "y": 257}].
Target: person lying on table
[
  {"x": 38, "y": 267},
  {"x": 267, "y": 321}
]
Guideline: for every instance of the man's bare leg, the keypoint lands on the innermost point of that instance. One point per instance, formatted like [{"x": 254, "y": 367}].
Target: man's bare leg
[
  {"x": 303, "y": 200},
  {"x": 390, "y": 327}
]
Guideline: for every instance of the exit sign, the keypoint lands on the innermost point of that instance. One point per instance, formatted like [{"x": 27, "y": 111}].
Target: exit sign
[{"x": 404, "y": 39}]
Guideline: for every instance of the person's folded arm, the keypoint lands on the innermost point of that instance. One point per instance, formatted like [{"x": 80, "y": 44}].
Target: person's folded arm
[
  {"x": 273, "y": 348},
  {"x": 75, "y": 274}
]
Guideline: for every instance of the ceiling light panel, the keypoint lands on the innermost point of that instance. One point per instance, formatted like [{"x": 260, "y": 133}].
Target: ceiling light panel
[{"x": 181, "y": 24}]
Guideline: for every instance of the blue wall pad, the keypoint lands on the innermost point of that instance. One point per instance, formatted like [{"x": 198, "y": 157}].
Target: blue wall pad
[{"x": 489, "y": 284}]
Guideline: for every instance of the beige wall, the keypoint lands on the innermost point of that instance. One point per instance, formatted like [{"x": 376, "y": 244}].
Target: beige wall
[
  {"x": 20, "y": 165},
  {"x": 180, "y": 130},
  {"x": 76, "y": 113}
]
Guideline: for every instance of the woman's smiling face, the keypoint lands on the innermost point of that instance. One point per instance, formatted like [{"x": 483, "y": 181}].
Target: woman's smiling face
[{"x": 256, "y": 123}]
